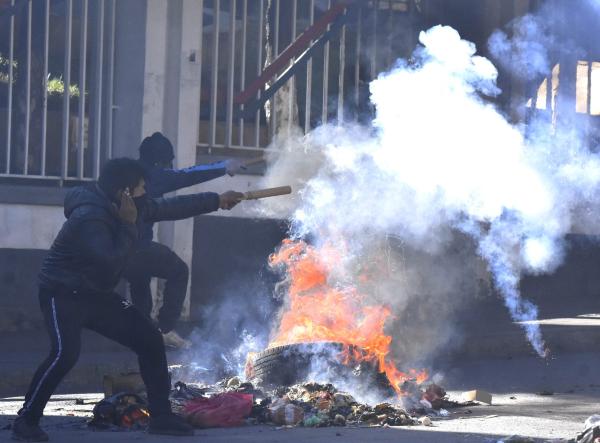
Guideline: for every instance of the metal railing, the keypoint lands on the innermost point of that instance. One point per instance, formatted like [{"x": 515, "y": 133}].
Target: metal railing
[
  {"x": 324, "y": 80},
  {"x": 56, "y": 77}
]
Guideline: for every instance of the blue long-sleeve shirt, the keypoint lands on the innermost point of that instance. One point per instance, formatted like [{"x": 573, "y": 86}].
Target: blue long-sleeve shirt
[{"x": 160, "y": 181}]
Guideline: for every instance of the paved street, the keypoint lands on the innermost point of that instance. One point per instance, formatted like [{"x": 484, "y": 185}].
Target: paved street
[{"x": 517, "y": 409}]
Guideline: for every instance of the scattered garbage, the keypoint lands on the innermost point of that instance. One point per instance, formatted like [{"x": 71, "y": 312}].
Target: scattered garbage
[
  {"x": 222, "y": 410},
  {"x": 590, "y": 435},
  {"x": 125, "y": 410},
  {"x": 339, "y": 420},
  {"x": 234, "y": 402},
  {"x": 435, "y": 395},
  {"x": 305, "y": 404},
  {"x": 478, "y": 395},
  {"x": 425, "y": 421},
  {"x": 234, "y": 382},
  {"x": 284, "y": 413},
  {"x": 592, "y": 421}
]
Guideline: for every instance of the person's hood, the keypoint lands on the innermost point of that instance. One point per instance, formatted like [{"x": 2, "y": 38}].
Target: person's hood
[{"x": 89, "y": 195}]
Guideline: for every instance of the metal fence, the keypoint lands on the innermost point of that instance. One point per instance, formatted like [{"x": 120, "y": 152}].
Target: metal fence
[
  {"x": 56, "y": 88},
  {"x": 57, "y": 64},
  {"x": 242, "y": 40}
]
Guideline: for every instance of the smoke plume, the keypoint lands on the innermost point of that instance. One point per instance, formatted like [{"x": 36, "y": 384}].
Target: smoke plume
[{"x": 441, "y": 158}]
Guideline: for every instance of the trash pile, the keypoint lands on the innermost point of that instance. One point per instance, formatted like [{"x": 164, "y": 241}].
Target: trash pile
[
  {"x": 235, "y": 402},
  {"x": 319, "y": 405},
  {"x": 232, "y": 402},
  {"x": 122, "y": 410},
  {"x": 591, "y": 433}
]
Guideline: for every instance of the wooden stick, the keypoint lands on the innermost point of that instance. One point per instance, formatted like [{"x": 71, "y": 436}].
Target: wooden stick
[{"x": 269, "y": 192}]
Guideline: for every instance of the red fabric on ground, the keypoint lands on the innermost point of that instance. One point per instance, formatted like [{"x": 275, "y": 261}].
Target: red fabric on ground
[{"x": 222, "y": 410}]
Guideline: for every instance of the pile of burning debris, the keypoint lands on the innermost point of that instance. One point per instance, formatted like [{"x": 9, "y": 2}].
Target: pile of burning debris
[
  {"x": 307, "y": 404},
  {"x": 274, "y": 392}
]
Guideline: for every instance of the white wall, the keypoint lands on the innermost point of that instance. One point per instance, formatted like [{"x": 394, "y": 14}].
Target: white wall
[{"x": 29, "y": 226}]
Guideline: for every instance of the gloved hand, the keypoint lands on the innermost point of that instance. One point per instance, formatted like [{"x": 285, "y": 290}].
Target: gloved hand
[{"x": 229, "y": 199}]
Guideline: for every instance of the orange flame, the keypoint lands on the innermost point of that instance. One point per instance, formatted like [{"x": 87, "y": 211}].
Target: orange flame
[{"x": 318, "y": 312}]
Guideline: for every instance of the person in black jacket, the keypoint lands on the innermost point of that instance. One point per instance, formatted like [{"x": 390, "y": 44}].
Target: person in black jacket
[
  {"x": 152, "y": 259},
  {"x": 77, "y": 280}
]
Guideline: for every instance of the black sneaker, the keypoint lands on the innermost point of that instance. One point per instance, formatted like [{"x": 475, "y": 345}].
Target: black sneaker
[
  {"x": 169, "y": 424},
  {"x": 24, "y": 430}
]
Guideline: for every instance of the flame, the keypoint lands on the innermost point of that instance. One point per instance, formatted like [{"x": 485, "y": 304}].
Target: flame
[{"x": 318, "y": 312}]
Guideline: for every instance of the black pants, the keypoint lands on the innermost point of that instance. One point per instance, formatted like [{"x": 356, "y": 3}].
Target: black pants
[
  {"x": 156, "y": 260},
  {"x": 66, "y": 313}
]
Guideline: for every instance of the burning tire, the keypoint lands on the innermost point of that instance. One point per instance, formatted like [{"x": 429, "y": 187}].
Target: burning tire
[{"x": 287, "y": 365}]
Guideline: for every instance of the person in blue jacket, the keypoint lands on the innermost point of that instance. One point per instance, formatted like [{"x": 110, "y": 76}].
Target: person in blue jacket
[
  {"x": 152, "y": 259},
  {"x": 77, "y": 282}
]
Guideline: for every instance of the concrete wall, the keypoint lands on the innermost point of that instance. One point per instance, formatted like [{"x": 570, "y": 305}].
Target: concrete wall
[
  {"x": 19, "y": 308},
  {"x": 29, "y": 226},
  {"x": 129, "y": 76}
]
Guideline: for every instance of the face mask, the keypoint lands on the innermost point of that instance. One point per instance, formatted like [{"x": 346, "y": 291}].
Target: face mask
[{"x": 140, "y": 202}]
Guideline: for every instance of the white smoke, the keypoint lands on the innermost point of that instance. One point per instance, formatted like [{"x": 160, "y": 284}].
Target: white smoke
[
  {"x": 231, "y": 328},
  {"x": 442, "y": 157},
  {"x": 595, "y": 4},
  {"x": 526, "y": 53}
]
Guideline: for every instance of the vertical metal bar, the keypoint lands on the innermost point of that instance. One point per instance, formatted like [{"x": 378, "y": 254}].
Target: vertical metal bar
[
  {"x": 45, "y": 85},
  {"x": 276, "y": 42},
  {"x": 294, "y": 26},
  {"x": 201, "y": 65},
  {"x": 309, "y": 65},
  {"x": 98, "y": 88},
  {"x": 390, "y": 34},
  {"x": 374, "y": 42},
  {"x": 275, "y": 54},
  {"x": 10, "y": 89},
  {"x": 230, "y": 75},
  {"x": 82, "y": 72},
  {"x": 325, "y": 77},
  {"x": 110, "y": 81},
  {"x": 340, "y": 104},
  {"x": 261, "y": 24},
  {"x": 67, "y": 83},
  {"x": 589, "y": 88},
  {"x": 28, "y": 90},
  {"x": 292, "y": 80},
  {"x": 357, "y": 65},
  {"x": 243, "y": 67},
  {"x": 215, "y": 73}
]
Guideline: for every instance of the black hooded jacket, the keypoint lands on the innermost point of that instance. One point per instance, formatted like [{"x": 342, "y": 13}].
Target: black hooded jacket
[{"x": 90, "y": 251}]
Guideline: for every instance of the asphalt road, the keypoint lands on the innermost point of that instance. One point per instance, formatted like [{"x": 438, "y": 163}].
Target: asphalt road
[{"x": 517, "y": 408}]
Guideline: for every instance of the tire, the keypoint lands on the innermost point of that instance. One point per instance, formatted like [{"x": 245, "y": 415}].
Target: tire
[{"x": 287, "y": 365}]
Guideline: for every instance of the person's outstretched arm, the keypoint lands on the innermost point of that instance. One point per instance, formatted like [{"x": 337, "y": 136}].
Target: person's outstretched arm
[
  {"x": 169, "y": 180},
  {"x": 184, "y": 206}
]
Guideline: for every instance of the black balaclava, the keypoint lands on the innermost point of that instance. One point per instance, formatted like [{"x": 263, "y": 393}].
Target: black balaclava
[{"x": 156, "y": 149}]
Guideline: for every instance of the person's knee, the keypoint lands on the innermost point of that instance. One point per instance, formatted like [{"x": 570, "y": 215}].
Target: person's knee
[
  {"x": 180, "y": 270},
  {"x": 151, "y": 341},
  {"x": 65, "y": 359}
]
